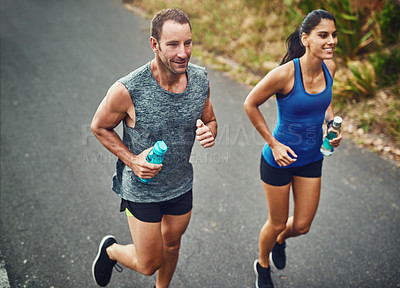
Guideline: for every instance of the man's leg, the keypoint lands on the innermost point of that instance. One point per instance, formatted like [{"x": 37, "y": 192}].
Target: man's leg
[
  {"x": 146, "y": 254},
  {"x": 172, "y": 227}
]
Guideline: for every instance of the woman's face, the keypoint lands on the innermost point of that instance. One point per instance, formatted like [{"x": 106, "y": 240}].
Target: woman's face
[{"x": 322, "y": 40}]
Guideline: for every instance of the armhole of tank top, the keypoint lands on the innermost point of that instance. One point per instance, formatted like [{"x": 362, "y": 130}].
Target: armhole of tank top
[
  {"x": 327, "y": 77},
  {"x": 281, "y": 96},
  {"x": 301, "y": 76}
]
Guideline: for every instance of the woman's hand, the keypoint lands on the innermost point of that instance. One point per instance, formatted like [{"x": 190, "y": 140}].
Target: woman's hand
[
  {"x": 281, "y": 154},
  {"x": 335, "y": 142}
]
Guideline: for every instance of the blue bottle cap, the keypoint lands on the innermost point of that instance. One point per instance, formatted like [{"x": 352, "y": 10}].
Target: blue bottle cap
[{"x": 160, "y": 147}]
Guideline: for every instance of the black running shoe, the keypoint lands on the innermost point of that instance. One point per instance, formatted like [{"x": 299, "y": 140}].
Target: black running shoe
[
  {"x": 278, "y": 255},
  {"x": 102, "y": 265},
  {"x": 263, "y": 276}
]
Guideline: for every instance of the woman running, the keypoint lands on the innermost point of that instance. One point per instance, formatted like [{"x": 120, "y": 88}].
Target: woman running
[{"x": 291, "y": 156}]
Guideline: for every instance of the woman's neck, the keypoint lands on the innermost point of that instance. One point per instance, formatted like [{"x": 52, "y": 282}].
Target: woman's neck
[{"x": 310, "y": 65}]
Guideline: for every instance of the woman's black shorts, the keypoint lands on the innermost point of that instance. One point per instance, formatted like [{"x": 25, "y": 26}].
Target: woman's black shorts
[
  {"x": 153, "y": 212},
  {"x": 283, "y": 176}
]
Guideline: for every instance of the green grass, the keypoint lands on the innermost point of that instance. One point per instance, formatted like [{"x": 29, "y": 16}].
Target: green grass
[{"x": 251, "y": 33}]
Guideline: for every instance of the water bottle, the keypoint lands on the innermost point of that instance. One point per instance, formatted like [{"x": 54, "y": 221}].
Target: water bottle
[
  {"x": 333, "y": 132},
  {"x": 156, "y": 156}
]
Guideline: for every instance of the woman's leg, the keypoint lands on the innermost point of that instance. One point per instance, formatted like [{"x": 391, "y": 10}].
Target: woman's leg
[
  {"x": 278, "y": 212},
  {"x": 306, "y": 194}
]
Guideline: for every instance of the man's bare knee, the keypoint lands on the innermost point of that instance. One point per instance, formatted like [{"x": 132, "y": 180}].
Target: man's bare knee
[
  {"x": 172, "y": 248},
  {"x": 151, "y": 267}
]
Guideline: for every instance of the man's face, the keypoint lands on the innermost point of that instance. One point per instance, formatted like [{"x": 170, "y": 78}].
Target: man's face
[{"x": 175, "y": 46}]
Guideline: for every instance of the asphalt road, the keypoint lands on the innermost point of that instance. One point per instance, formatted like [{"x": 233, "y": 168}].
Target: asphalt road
[{"x": 58, "y": 59}]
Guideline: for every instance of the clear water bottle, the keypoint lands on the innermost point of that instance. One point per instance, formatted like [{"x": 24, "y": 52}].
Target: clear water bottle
[
  {"x": 333, "y": 132},
  {"x": 156, "y": 156}
]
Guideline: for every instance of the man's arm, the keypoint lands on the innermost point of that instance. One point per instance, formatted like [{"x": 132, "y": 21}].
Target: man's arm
[
  {"x": 207, "y": 126},
  {"x": 116, "y": 106}
]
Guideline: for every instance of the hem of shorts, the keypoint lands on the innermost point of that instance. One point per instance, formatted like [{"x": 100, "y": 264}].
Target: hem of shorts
[{"x": 275, "y": 185}]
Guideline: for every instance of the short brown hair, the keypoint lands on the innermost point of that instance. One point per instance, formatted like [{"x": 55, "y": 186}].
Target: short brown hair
[{"x": 161, "y": 17}]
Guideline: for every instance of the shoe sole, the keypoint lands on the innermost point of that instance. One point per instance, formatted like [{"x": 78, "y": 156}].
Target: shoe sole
[
  {"x": 271, "y": 262},
  {"x": 255, "y": 271},
  {"x": 98, "y": 254}
]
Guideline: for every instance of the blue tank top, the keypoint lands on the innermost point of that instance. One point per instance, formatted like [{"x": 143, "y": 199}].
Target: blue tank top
[
  {"x": 167, "y": 116},
  {"x": 300, "y": 119}
]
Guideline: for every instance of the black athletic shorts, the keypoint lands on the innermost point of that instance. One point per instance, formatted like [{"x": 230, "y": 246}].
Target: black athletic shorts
[
  {"x": 283, "y": 176},
  {"x": 153, "y": 212}
]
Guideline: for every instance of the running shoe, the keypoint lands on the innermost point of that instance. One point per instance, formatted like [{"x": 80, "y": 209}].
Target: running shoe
[
  {"x": 102, "y": 265},
  {"x": 278, "y": 256},
  {"x": 263, "y": 276}
]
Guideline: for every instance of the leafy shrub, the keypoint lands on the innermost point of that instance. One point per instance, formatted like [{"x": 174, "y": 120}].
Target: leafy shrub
[
  {"x": 387, "y": 66},
  {"x": 389, "y": 22},
  {"x": 357, "y": 84}
]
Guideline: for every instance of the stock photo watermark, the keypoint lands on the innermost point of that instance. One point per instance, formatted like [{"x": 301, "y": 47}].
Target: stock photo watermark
[
  {"x": 228, "y": 135},
  {"x": 105, "y": 157}
]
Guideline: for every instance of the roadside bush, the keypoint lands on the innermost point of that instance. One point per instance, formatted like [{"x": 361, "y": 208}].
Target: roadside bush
[
  {"x": 357, "y": 83},
  {"x": 387, "y": 67},
  {"x": 389, "y": 22}
]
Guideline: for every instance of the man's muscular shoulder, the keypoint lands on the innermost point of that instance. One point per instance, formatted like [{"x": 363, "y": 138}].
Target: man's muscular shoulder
[{"x": 119, "y": 100}]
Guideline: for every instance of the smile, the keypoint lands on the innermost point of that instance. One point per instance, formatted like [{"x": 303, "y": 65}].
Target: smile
[
  {"x": 329, "y": 50},
  {"x": 180, "y": 62}
]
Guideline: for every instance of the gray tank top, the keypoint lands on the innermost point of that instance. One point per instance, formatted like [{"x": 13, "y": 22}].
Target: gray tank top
[{"x": 161, "y": 115}]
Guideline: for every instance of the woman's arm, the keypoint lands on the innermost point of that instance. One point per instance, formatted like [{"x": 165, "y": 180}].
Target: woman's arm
[
  {"x": 329, "y": 114},
  {"x": 279, "y": 80}
]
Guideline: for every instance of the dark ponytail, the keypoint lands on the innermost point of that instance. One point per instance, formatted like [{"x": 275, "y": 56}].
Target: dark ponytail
[{"x": 295, "y": 48}]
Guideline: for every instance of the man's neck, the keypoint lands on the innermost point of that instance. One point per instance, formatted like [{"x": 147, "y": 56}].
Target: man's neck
[{"x": 175, "y": 83}]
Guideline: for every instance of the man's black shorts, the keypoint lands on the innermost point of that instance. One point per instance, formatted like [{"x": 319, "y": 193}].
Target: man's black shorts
[
  {"x": 283, "y": 176},
  {"x": 153, "y": 212}
]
